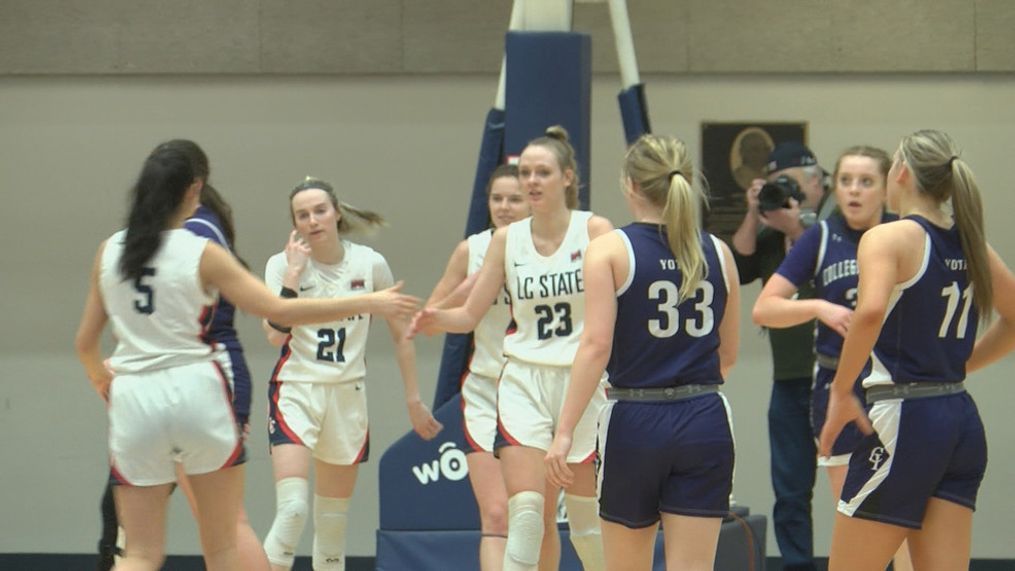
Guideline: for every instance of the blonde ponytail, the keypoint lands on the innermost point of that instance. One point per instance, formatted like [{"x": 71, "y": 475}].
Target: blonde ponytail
[
  {"x": 968, "y": 209},
  {"x": 940, "y": 172},
  {"x": 662, "y": 169},
  {"x": 358, "y": 220}
]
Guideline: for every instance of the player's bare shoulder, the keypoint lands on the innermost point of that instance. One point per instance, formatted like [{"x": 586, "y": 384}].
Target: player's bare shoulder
[{"x": 599, "y": 225}]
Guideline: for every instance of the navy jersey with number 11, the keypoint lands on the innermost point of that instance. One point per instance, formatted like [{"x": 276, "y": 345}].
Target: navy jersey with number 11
[
  {"x": 658, "y": 342},
  {"x": 930, "y": 325}
]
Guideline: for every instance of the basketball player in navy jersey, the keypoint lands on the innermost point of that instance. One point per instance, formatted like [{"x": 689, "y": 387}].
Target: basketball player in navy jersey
[
  {"x": 539, "y": 259},
  {"x": 214, "y": 220},
  {"x": 662, "y": 312},
  {"x": 507, "y": 203},
  {"x": 825, "y": 255},
  {"x": 926, "y": 281},
  {"x": 169, "y": 400}
]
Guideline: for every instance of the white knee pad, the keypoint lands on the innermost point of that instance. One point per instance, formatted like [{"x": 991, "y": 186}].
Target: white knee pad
[
  {"x": 525, "y": 531},
  {"x": 290, "y": 516},
  {"x": 583, "y": 519},
  {"x": 330, "y": 521}
]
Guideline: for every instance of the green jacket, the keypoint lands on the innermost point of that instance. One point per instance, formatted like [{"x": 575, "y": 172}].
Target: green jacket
[{"x": 792, "y": 347}]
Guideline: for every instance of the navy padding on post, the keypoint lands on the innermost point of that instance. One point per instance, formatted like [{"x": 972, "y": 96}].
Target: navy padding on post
[
  {"x": 549, "y": 82},
  {"x": 424, "y": 485},
  {"x": 491, "y": 156},
  {"x": 634, "y": 112},
  {"x": 458, "y": 346}
]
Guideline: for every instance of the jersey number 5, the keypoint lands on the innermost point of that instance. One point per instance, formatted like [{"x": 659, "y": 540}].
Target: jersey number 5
[
  {"x": 146, "y": 304},
  {"x": 331, "y": 338},
  {"x": 667, "y": 294}
]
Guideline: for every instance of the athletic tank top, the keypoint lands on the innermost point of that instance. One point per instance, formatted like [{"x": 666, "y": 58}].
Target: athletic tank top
[
  {"x": 931, "y": 322},
  {"x": 656, "y": 341},
  {"x": 547, "y": 294},
  {"x": 488, "y": 337},
  {"x": 331, "y": 352},
  {"x": 206, "y": 224},
  {"x": 160, "y": 319}
]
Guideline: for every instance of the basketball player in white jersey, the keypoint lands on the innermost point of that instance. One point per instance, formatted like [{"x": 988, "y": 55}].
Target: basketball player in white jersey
[
  {"x": 539, "y": 259},
  {"x": 212, "y": 220},
  {"x": 507, "y": 204},
  {"x": 317, "y": 394},
  {"x": 169, "y": 401}
]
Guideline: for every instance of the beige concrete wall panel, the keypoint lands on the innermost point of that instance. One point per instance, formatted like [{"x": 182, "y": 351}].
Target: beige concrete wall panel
[
  {"x": 58, "y": 36},
  {"x": 454, "y": 36},
  {"x": 759, "y": 36},
  {"x": 904, "y": 35},
  {"x": 189, "y": 36},
  {"x": 659, "y": 28},
  {"x": 331, "y": 36},
  {"x": 995, "y": 35}
]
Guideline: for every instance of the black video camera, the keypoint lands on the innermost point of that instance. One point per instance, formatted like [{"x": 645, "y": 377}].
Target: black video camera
[{"x": 776, "y": 194}]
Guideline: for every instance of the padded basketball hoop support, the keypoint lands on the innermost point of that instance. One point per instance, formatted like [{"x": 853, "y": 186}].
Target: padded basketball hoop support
[{"x": 549, "y": 82}]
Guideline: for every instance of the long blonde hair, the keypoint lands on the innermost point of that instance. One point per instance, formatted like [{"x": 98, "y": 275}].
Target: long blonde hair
[
  {"x": 661, "y": 168},
  {"x": 939, "y": 172},
  {"x": 353, "y": 219}
]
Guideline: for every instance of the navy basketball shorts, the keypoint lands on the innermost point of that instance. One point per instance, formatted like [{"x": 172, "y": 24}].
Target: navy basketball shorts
[
  {"x": 850, "y": 436},
  {"x": 921, "y": 449},
  {"x": 665, "y": 457}
]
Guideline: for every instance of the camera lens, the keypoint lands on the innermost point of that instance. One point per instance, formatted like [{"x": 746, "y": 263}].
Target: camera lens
[{"x": 776, "y": 194}]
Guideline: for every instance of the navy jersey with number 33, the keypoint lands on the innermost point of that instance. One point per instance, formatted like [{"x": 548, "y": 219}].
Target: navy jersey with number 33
[{"x": 659, "y": 342}]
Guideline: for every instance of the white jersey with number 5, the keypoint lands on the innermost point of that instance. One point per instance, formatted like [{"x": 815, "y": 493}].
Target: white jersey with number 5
[
  {"x": 329, "y": 352},
  {"x": 547, "y": 294},
  {"x": 159, "y": 319}
]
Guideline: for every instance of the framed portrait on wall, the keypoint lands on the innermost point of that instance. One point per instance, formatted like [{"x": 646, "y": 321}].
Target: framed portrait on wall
[{"x": 732, "y": 155}]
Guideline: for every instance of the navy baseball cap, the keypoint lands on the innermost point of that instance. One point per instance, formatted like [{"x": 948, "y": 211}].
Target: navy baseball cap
[{"x": 790, "y": 154}]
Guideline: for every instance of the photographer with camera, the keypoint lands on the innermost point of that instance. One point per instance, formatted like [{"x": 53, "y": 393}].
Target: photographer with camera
[{"x": 779, "y": 209}]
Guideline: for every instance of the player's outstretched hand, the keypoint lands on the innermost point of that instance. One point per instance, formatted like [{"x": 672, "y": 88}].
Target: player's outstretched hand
[
  {"x": 425, "y": 322},
  {"x": 391, "y": 303}
]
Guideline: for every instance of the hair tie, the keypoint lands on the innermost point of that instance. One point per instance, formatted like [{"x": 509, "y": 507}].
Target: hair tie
[
  {"x": 952, "y": 160},
  {"x": 674, "y": 173}
]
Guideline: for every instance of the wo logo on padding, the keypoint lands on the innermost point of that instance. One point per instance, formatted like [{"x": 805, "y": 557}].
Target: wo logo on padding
[{"x": 451, "y": 465}]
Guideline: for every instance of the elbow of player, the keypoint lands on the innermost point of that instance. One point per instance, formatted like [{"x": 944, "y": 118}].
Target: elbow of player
[
  {"x": 867, "y": 317},
  {"x": 758, "y": 314},
  {"x": 726, "y": 361},
  {"x": 728, "y": 354},
  {"x": 595, "y": 349},
  {"x": 83, "y": 345}
]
